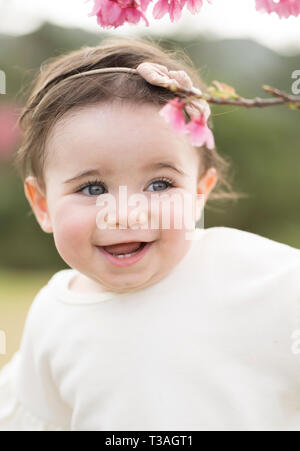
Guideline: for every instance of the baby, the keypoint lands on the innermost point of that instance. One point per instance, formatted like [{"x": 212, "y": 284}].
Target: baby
[{"x": 151, "y": 328}]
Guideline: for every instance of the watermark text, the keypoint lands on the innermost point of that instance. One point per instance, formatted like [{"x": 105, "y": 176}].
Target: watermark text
[
  {"x": 179, "y": 210},
  {"x": 296, "y": 84},
  {"x": 2, "y": 82}
]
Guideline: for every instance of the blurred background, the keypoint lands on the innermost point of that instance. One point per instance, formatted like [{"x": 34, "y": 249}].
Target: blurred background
[{"x": 234, "y": 44}]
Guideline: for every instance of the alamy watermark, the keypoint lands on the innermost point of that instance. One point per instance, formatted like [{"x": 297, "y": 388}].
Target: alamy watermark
[
  {"x": 296, "y": 84},
  {"x": 2, "y": 82},
  {"x": 2, "y": 342},
  {"x": 179, "y": 210}
]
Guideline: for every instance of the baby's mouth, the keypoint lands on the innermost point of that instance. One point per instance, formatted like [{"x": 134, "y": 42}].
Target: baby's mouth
[
  {"x": 126, "y": 254},
  {"x": 124, "y": 250}
]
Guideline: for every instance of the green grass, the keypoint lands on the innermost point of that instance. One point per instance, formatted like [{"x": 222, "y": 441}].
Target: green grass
[{"x": 17, "y": 291}]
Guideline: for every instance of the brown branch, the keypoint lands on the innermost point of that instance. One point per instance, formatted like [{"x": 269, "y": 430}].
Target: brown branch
[{"x": 281, "y": 98}]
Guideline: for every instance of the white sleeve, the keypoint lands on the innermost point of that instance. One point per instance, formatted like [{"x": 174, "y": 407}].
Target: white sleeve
[
  {"x": 14, "y": 416},
  {"x": 29, "y": 399}
]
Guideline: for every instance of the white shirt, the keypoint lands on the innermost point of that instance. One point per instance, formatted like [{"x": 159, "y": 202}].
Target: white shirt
[{"x": 212, "y": 346}]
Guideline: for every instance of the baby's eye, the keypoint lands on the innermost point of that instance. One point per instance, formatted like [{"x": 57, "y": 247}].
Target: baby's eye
[
  {"x": 95, "y": 188},
  {"x": 92, "y": 189},
  {"x": 161, "y": 184}
]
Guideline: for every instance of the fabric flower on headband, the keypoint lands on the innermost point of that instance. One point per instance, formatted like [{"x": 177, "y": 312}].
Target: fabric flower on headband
[{"x": 172, "y": 112}]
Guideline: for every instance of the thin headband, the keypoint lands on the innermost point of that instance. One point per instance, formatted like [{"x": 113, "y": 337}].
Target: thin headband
[
  {"x": 80, "y": 74},
  {"x": 111, "y": 69},
  {"x": 153, "y": 73}
]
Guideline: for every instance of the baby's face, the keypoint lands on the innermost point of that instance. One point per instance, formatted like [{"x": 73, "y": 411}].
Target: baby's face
[{"x": 117, "y": 145}]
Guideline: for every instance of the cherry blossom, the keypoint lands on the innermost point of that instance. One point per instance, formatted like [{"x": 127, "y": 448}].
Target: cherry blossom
[
  {"x": 114, "y": 13},
  {"x": 196, "y": 128},
  {"x": 159, "y": 75},
  {"x": 174, "y": 8},
  {"x": 172, "y": 112},
  {"x": 200, "y": 134},
  {"x": 284, "y": 8}
]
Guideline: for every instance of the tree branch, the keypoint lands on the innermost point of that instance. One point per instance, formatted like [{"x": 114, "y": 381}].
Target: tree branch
[{"x": 281, "y": 98}]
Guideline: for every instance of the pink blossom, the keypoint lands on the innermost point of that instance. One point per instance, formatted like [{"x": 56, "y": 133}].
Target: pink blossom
[
  {"x": 9, "y": 130},
  {"x": 194, "y": 6},
  {"x": 174, "y": 8},
  {"x": 200, "y": 134},
  {"x": 114, "y": 13},
  {"x": 159, "y": 75},
  {"x": 284, "y": 8},
  {"x": 172, "y": 112}
]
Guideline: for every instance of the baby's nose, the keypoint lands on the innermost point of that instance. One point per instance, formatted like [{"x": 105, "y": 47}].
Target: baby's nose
[
  {"x": 115, "y": 212},
  {"x": 130, "y": 217}
]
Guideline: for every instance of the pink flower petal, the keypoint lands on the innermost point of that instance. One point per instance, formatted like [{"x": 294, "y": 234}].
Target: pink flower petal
[
  {"x": 194, "y": 6},
  {"x": 175, "y": 9},
  {"x": 113, "y": 13},
  {"x": 110, "y": 12},
  {"x": 144, "y": 4},
  {"x": 133, "y": 16},
  {"x": 172, "y": 112},
  {"x": 160, "y": 9},
  {"x": 284, "y": 8},
  {"x": 200, "y": 134}
]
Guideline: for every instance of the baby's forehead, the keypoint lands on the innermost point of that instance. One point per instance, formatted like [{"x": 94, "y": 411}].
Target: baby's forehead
[
  {"x": 104, "y": 133},
  {"x": 111, "y": 120},
  {"x": 113, "y": 110}
]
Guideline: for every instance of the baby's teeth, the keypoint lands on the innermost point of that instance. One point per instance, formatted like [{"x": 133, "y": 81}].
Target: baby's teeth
[{"x": 124, "y": 255}]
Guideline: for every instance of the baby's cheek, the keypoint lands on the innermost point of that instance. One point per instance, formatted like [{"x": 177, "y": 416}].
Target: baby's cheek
[
  {"x": 174, "y": 239},
  {"x": 173, "y": 247},
  {"x": 73, "y": 228}
]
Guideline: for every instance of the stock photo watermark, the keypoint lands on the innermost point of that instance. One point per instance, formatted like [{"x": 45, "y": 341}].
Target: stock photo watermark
[
  {"x": 2, "y": 82},
  {"x": 180, "y": 211},
  {"x": 296, "y": 84},
  {"x": 2, "y": 342}
]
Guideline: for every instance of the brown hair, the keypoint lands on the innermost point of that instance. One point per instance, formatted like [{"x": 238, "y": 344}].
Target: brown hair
[{"x": 53, "y": 95}]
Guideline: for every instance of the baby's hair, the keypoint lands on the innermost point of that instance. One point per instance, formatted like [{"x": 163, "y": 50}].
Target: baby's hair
[{"x": 53, "y": 95}]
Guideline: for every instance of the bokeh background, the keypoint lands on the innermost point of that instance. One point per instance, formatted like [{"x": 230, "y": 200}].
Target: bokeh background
[{"x": 244, "y": 49}]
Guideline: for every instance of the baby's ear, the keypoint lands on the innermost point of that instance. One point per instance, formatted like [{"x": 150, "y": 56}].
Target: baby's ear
[
  {"x": 205, "y": 185},
  {"x": 38, "y": 203}
]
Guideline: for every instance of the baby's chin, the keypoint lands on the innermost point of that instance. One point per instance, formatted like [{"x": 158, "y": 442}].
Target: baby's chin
[
  {"x": 118, "y": 283},
  {"x": 122, "y": 283}
]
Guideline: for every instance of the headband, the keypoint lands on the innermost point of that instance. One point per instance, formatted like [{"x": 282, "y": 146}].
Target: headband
[
  {"x": 155, "y": 74},
  {"x": 159, "y": 75}
]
